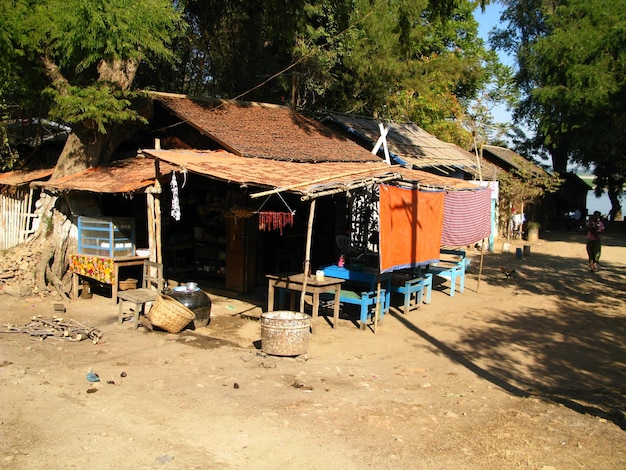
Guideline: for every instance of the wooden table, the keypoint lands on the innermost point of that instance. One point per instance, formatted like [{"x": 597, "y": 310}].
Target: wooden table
[
  {"x": 102, "y": 269},
  {"x": 367, "y": 276},
  {"x": 295, "y": 282}
]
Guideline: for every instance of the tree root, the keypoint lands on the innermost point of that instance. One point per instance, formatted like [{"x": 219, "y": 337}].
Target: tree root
[{"x": 58, "y": 285}]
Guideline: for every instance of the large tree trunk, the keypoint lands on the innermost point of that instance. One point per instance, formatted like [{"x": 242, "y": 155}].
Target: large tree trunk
[
  {"x": 616, "y": 207},
  {"x": 52, "y": 240},
  {"x": 85, "y": 148},
  {"x": 54, "y": 236},
  {"x": 80, "y": 153}
]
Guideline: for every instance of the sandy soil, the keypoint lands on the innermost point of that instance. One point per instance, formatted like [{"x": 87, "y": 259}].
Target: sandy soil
[{"x": 525, "y": 373}]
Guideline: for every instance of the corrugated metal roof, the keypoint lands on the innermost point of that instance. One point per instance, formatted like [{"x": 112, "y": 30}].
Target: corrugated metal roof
[
  {"x": 263, "y": 130},
  {"x": 124, "y": 176},
  {"x": 302, "y": 178},
  {"x": 503, "y": 155},
  {"x": 508, "y": 159},
  {"x": 411, "y": 143},
  {"x": 21, "y": 177}
]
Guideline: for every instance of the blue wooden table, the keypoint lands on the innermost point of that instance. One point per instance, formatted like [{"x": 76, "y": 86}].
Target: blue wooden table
[{"x": 365, "y": 276}]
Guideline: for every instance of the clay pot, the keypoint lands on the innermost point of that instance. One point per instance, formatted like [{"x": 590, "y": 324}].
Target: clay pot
[{"x": 197, "y": 301}]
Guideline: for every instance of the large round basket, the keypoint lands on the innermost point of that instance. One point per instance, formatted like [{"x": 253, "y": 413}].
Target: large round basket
[{"x": 169, "y": 314}]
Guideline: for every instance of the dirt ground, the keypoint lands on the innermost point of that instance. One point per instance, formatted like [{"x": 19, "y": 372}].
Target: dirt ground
[{"x": 520, "y": 373}]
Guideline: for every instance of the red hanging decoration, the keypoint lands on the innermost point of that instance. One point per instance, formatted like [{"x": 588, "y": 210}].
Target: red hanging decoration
[{"x": 275, "y": 220}]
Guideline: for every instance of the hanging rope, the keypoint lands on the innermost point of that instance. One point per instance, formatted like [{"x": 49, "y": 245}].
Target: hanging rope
[{"x": 272, "y": 220}]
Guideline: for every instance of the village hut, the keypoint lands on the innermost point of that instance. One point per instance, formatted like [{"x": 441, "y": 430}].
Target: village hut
[{"x": 553, "y": 209}]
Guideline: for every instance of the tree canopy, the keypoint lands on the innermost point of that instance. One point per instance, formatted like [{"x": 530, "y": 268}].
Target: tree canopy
[
  {"x": 572, "y": 70},
  {"x": 75, "y": 60},
  {"x": 79, "y": 61}
]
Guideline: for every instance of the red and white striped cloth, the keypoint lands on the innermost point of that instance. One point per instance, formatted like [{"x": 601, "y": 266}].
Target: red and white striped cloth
[{"x": 466, "y": 217}]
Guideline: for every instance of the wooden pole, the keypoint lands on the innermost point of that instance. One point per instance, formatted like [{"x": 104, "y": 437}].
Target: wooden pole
[
  {"x": 480, "y": 268},
  {"x": 3, "y": 228},
  {"x": 377, "y": 310},
  {"x": 307, "y": 255},
  {"x": 27, "y": 215},
  {"x": 157, "y": 227},
  {"x": 151, "y": 234},
  {"x": 320, "y": 180}
]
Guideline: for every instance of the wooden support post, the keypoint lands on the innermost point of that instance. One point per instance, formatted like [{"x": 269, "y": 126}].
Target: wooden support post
[
  {"x": 151, "y": 234},
  {"x": 480, "y": 268},
  {"x": 307, "y": 254}
]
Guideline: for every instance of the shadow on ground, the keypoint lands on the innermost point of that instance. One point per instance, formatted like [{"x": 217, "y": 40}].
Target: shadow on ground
[{"x": 572, "y": 352}]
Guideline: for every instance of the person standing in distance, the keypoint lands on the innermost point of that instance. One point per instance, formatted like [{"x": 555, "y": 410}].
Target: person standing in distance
[{"x": 595, "y": 227}]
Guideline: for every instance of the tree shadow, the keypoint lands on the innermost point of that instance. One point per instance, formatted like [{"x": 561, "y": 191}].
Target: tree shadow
[{"x": 572, "y": 352}]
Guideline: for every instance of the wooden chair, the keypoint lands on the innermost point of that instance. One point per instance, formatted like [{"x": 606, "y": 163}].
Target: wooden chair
[{"x": 152, "y": 286}]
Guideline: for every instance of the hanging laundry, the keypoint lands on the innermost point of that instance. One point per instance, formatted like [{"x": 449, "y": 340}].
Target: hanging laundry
[
  {"x": 466, "y": 217},
  {"x": 275, "y": 220},
  {"x": 175, "y": 212}
]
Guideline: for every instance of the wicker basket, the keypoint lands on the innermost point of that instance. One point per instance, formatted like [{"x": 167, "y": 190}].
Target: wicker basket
[
  {"x": 169, "y": 314},
  {"x": 128, "y": 284}
]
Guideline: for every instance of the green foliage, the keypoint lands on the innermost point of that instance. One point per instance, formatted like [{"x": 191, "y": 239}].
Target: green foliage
[
  {"x": 69, "y": 41},
  {"x": 78, "y": 34},
  {"x": 572, "y": 70},
  {"x": 526, "y": 183},
  {"x": 96, "y": 106}
]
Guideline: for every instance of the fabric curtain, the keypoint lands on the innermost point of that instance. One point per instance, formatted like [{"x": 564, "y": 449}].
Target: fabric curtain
[
  {"x": 410, "y": 227},
  {"x": 467, "y": 217}
]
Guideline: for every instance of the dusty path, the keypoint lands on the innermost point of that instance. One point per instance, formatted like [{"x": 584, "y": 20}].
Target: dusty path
[{"x": 525, "y": 373}]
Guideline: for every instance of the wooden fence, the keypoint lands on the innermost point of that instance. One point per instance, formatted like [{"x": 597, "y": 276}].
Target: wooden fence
[{"x": 16, "y": 217}]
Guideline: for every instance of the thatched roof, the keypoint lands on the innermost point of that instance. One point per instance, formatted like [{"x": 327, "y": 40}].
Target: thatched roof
[{"x": 263, "y": 130}]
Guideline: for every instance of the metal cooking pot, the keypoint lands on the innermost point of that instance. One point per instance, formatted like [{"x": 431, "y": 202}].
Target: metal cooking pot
[{"x": 196, "y": 300}]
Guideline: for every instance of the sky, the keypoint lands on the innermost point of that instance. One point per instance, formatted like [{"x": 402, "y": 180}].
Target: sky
[{"x": 486, "y": 21}]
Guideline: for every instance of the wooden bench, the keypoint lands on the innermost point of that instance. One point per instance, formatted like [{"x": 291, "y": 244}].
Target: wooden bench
[
  {"x": 452, "y": 268},
  {"x": 366, "y": 277},
  {"x": 364, "y": 300},
  {"x": 413, "y": 291}
]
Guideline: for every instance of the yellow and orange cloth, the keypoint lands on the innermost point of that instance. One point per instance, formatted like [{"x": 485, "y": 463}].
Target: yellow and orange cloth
[{"x": 95, "y": 267}]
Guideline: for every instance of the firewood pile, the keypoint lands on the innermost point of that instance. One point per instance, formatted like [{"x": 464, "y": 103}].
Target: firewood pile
[
  {"x": 56, "y": 328},
  {"x": 17, "y": 271},
  {"x": 21, "y": 274}
]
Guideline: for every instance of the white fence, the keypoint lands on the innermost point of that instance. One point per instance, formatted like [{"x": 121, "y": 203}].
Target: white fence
[{"x": 16, "y": 217}]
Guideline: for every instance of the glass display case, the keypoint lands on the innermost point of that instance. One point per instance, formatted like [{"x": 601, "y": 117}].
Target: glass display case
[{"x": 111, "y": 237}]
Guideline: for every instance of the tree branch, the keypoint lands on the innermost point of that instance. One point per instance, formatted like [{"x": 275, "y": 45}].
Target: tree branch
[
  {"x": 120, "y": 72},
  {"x": 54, "y": 73}
]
